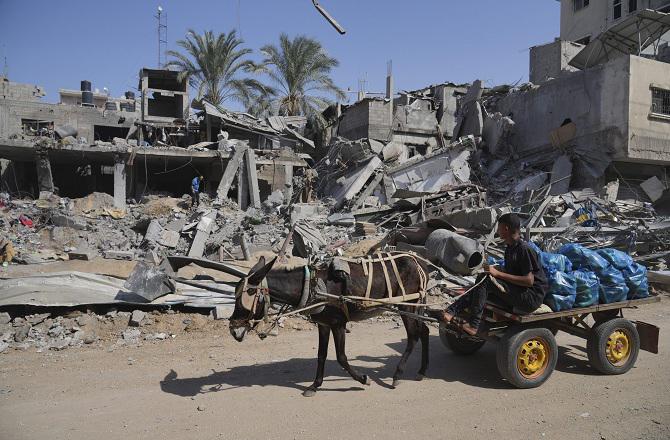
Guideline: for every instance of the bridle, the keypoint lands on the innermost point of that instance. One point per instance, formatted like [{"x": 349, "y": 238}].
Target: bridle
[{"x": 258, "y": 292}]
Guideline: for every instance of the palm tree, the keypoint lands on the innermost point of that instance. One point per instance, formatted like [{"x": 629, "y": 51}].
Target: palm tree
[
  {"x": 299, "y": 68},
  {"x": 215, "y": 65}
]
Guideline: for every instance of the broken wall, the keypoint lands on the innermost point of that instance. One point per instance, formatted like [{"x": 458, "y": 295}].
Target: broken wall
[
  {"x": 84, "y": 119},
  {"x": 596, "y": 100},
  {"x": 368, "y": 118},
  {"x": 551, "y": 60}
]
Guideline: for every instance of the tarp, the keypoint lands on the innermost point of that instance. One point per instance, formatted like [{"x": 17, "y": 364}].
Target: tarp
[
  {"x": 628, "y": 37},
  {"x": 68, "y": 289}
]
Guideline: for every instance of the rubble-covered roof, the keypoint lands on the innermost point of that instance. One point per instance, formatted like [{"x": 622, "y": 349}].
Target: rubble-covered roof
[{"x": 245, "y": 121}]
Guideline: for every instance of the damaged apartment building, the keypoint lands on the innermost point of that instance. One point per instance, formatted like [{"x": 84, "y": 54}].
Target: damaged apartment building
[
  {"x": 130, "y": 147},
  {"x": 597, "y": 109}
]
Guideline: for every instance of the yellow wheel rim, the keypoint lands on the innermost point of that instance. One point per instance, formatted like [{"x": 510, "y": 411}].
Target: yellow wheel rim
[
  {"x": 533, "y": 357},
  {"x": 617, "y": 347}
]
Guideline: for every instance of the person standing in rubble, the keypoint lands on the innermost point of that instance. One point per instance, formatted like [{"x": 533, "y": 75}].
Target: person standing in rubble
[
  {"x": 522, "y": 284},
  {"x": 195, "y": 190}
]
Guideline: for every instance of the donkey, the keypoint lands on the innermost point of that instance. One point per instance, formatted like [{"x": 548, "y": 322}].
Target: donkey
[{"x": 287, "y": 286}]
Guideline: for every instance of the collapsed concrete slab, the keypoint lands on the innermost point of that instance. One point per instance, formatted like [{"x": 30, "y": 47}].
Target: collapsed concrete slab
[
  {"x": 204, "y": 228},
  {"x": 561, "y": 172}
]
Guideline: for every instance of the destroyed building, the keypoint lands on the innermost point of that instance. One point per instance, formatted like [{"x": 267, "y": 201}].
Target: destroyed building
[
  {"x": 131, "y": 147},
  {"x": 603, "y": 102}
]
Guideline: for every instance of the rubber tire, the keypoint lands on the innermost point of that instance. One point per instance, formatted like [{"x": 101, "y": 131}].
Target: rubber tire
[
  {"x": 463, "y": 346},
  {"x": 506, "y": 355},
  {"x": 595, "y": 346}
]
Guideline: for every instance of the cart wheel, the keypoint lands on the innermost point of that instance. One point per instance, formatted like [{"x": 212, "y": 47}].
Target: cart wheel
[
  {"x": 613, "y": 346},
  {"x": 526, "y": 358},
  {"x": 460, "y": 345}
]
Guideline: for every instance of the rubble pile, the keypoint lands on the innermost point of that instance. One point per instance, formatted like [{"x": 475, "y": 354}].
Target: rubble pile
[{"x": 109, "y": 330}]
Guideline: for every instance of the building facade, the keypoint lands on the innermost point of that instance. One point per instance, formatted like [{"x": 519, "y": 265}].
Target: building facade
[{"x": 583, "y": 20}]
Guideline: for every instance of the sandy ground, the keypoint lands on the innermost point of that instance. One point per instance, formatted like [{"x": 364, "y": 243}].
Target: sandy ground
[{"x": 203, "y": 385}]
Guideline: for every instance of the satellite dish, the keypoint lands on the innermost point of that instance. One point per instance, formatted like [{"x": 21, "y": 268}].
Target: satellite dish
[{"x": 160, "y": 8}]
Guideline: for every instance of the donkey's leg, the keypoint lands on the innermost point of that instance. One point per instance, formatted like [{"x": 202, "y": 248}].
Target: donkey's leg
[
  {"x": 412, "y": 337},
  {"x": 324, "y": 337},
  {"x": 339, "y": 335},
  {"x": 425, "y": 337}
]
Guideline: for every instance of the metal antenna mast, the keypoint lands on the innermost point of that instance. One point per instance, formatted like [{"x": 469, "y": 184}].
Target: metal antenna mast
[{"x": 162, "y": 36}]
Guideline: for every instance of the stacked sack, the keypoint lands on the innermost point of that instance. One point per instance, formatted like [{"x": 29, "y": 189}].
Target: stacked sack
[
  {"x": 620, "y": 278},
  {"x": 563, "y": 288},
  {"x": 603, "y": 276}
]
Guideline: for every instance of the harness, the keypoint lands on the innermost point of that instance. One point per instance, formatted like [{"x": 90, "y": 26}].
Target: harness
[
  {"x": 311, "y": 291},
  {"x": 368, "y": 264}
]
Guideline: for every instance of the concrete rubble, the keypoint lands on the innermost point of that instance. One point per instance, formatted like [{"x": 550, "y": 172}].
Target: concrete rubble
[{"x": 427, "y": 171}]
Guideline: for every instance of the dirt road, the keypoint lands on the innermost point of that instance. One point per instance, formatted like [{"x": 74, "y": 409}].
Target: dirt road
[{"x": 202, "y": 386}]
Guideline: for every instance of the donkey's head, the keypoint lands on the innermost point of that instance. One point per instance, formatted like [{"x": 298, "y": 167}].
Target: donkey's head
[{"x": 250, "y": 300}]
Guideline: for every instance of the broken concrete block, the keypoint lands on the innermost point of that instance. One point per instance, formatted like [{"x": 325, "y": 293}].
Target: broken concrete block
[
  {"x": 481, "y": 219},
  {"x": 131, "y": 335},
  {"x": 560, "y": 176},
  {"x": 204, "y": 228},
  {"x": 394, "y": 150},
  {"x": 474, "y": 121},
  {"x": 653, "y": 187},
  {"x": 304, "y": 211},
  {"x": 136, "y": 318},
  {"x": 21, "y": 333},
  {"x": 222, "y": 312},
  {"x": 81, "y": 254},
  {"x": 307, "y": 240},
  {"x": 341, "y": 219},
  {"x": 5, "y": 318},
  {"x": 532, "y": 182},
  {"x": 154, "y": 231},
  {"x": 612, "y": 191},
  {"x": 496, "y": 128},
  {"x": 169, "y": 238},
  {"x": 145, "y": 283},
  {"x": 119, "y": 255},
  {"x": 69, "y": 221}
]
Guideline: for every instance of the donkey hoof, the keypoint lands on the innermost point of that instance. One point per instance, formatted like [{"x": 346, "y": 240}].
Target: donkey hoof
[
  {"x": 309, "y": 393},
  {"x": 419, "y": 377},
  {"x": 396, "y": 382},
  {"x": 366, "y": 380}
]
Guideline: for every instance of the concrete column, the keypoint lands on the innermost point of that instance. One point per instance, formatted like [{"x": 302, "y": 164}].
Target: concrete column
[
  {"x": 119, "y": 183},
  {"x": 230, "y": 172},
  {"x": 252, "y": 177},
  {"x": 44, "y": 178},
  {"x": 242, "y": 189},
  {"x": 288, "y": 183}
]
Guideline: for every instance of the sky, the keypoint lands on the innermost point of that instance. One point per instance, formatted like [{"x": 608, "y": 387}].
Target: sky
[{"x": 56, "y": 44}]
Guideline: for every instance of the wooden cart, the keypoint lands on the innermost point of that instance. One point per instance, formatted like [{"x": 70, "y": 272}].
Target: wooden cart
[{"x": 527, "y": 350}]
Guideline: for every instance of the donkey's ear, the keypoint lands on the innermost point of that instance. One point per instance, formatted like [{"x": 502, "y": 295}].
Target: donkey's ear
[
  {"x": 257, "y": 276},
  {"x": 258, "y": 266}
]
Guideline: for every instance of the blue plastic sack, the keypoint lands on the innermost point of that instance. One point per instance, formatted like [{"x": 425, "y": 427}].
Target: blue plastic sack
[
  {"x": 534, "y": 247},
  {"x": 580, "y": 257},
  {"x": 636, "y": 281},
  {"x": 562, "y": 291},
  {"x": 558, "y": 262},
  {"x": 616, "y": 258},
  {"x": 588, "y": 288},
  {"x": 613, "y": 286}
]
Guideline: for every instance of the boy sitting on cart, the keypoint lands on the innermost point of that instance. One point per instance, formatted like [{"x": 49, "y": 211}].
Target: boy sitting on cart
[{"x": 520, "y": 285}]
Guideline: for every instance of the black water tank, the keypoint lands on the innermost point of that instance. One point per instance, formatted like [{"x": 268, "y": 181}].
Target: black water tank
[
  {"x": 85, "y": 86},
  {"x": 87, "y": 98},
  {"x": 130, "y": 95},
  {"x": 109, "y": 105}
]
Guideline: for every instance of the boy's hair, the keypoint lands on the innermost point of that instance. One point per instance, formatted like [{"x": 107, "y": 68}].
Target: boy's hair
[{"x": 510, "y": 220}]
